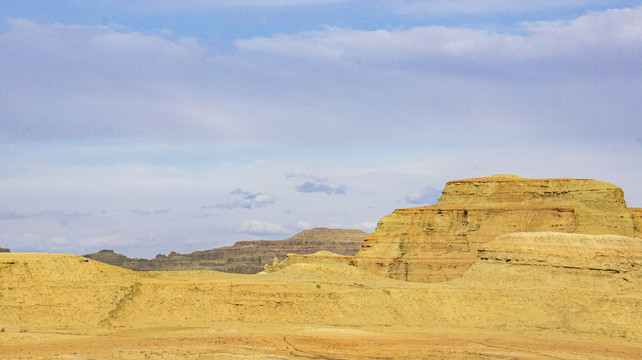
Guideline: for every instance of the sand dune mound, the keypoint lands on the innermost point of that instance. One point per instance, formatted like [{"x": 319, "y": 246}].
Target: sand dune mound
[
  {"x": 26, "y": 267},
  {"x": 55, "y": 290}
]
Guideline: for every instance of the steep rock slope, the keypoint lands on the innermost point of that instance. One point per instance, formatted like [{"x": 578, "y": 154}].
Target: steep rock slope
[
  {"x": 637, "y": 218},
  {"x": 245, "y": 257},
  {"x": 439, "y": 242}
]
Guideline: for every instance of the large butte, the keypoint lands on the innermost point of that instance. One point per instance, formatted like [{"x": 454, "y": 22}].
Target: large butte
[{"x": 439, "y": 242}]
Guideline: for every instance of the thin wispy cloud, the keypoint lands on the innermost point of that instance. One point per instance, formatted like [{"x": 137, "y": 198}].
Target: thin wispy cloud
[
  {"x": 192, "y": 5},
  {"x": 427, "y": 69},
  {"x": 479, "y": 7},
  {"x": 245, "y": 200},
  {"x": 144, "y": 212},
  {"x": 315, "y": 187},
  {"x": 426, "y": 196},
  {"x": 262, "y": 228},
  {"x": 434, "y": 46},
  {"x": 55, "y": 214},
  {"x": 319, "y": 179}
]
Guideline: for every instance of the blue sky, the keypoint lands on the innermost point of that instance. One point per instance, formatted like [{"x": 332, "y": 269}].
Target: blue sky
[{"x": 151, "y": 126}]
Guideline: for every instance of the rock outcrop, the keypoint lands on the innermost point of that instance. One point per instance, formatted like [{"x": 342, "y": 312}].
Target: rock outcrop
[
  {"x": 590, "y": 255},
  {"x": 439, "y": 242},
  {"x": 637, "y": 219},
  {"x": 320, "y": 257},
  {"x": 4, "y": 250},
  {"x": 586, "y": 285},
  {"x": 244, "y": 257}
]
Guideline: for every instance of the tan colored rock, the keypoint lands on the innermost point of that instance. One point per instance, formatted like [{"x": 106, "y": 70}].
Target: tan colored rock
[
  {"x": 637, "y": 219},
  {"x": 320, "y": 257},
  {"x": 590, "y": 255},
  {"x": 582, "y": 293},
  {"x": 244, "y": 257},
  {"x": 439, "y": 242}
]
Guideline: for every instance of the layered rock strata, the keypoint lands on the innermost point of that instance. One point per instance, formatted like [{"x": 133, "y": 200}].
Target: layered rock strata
[
  {"x": 585, "y": 285},
  {"x": 244, "y": 257},
  {"x": 439, "y": 242}
]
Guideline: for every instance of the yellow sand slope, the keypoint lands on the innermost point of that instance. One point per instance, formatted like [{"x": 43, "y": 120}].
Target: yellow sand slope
[{"x": 577, "y": 289}]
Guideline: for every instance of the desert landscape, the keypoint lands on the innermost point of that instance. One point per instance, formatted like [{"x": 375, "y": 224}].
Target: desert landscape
[
  {"x": 244, "y": 257},
  {"x": 502, "y": 267}
]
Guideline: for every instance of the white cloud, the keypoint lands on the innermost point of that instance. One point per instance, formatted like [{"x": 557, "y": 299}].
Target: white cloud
[
  {"x": 108, "y": 241},
  {"x": 303, "y": 225},
  {"x": 427, "y": 196},
  {"x": 478, "y": 7},
  {"x": 341, "y": 85},
  {"x": 314, "y": 178},
  {"x": 262, "y": 228},
  {"x": 457, "y": 83},
  {"x": 58, "y": 241},
  {"x": 314, "y": 187},
  {"x": 367, "y": 226},
  {"x": 433, "y": 47},
  {"x": 192, "y": 5},
  {"x": 144, "y": 212},
  {"x": 248, "y": 200}
]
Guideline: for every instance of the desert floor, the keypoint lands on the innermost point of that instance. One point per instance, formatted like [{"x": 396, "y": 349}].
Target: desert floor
[
  {"x": 240, "y": 341},
  {"x": 67, "y": 307}
]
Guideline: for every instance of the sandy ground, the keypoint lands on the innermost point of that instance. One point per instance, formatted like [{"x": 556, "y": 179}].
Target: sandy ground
[
  {"x": 67, "y": 307},
  {"x": 240, "y": 341}
]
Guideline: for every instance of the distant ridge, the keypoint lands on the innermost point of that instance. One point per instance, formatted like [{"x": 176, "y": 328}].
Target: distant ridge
[
  {"x": 4, "y": 250},
  {"x": 244, "y": 257}
]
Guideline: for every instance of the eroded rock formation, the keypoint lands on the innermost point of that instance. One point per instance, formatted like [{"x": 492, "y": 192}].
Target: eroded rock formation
[
  {"x": 244, "y": 257},
  {"x": 637, "y": 219},
  {"x": 439, "y": 242},
  {"x": 582, "y": 284}
]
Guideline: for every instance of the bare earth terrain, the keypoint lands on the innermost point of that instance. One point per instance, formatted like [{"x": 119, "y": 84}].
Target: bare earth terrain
[
  {"x": 543, "y": 294},
  {"x": 242, "y": 341}
]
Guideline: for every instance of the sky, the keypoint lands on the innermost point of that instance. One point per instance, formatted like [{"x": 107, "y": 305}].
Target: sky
[{"x": 155, "y": 126}]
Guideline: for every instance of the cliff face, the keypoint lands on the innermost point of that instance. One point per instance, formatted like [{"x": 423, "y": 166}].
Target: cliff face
[
  {"x": 439, "y": 242},
  {"x": 245, "y": 257},
  {"x": 637, "y": 219}
]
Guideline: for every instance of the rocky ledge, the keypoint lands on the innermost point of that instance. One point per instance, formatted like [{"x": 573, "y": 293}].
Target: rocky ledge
[{"x": 439, "y": 242}]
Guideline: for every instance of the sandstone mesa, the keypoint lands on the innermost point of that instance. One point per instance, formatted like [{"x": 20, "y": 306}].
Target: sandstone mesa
[
  {"x": 502, "y": 267},
  {"x": 439, "y": 242}
]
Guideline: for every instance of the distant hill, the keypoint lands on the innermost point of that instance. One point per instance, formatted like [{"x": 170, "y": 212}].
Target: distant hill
[
  {"x": 4, "y": 250},
  {"x": 244, "y": 257}
]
